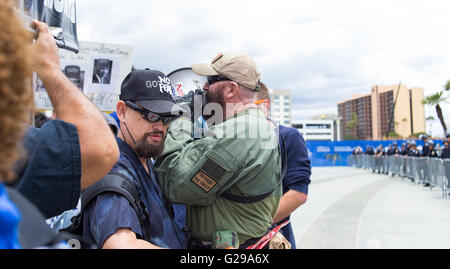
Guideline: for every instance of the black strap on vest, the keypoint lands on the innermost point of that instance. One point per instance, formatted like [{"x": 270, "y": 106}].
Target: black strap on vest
[
  {"x": 257, "y": 198},
  {"x": 117, "y": 183},
  {"x": 33, "y": 230}
]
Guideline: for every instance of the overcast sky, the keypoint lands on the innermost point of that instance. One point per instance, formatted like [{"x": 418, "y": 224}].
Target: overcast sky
[{"x": 323, "y": 51}]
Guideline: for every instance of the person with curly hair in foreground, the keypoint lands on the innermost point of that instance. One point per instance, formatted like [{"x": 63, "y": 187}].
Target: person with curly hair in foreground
[
  {"x": 58, "y": 160},
  {"x": 15, "y": 101}
]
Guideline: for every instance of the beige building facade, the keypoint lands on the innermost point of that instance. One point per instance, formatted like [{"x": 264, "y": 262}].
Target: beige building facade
[
  {"x": 406, "y": 105},
  {"x": 393, "y": 108}
]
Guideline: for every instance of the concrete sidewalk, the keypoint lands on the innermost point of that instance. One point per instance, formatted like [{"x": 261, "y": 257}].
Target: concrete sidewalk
[{"x": 352, "y": 208}]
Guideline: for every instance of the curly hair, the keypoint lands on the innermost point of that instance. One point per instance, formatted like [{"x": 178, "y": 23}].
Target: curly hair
[{"x": 15, "y": 86}]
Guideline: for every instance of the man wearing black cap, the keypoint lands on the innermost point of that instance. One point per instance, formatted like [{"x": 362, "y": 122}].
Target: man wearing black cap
[
  {"x": 144, "y": 111},
  {"x": 446, "y": 150},
  {"x": 431, "y": 153},
  {"x": 413, "y": 152},
  {"x": 425, "y": 145}
]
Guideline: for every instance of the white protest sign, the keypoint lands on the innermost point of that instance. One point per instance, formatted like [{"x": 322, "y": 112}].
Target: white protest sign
[{"x": 97, "y": 70}]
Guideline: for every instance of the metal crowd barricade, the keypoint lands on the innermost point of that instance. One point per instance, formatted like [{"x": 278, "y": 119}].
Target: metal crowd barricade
[
  {"x": 378, "y": 164},
  {"x": 371, "y": 162},
  {"x": 395, "y": 164},
  {"x": 422, "y": 170},
  {"x": 403, "y": 166},
  {"x": 432, "y": 171},
  {"x": 443, "y": 179},
  {"x": 384, "y": 165},
  {"x": 413, "y": 164},
  {"x": 427, "y": 172},
  {"x": 355, "y": 160},
  {"x": 351, "y": 161},
  {"x": 363, "y": 159},
  {"x": 446, "y": 177},
  {"x": 411, "y": 168}
]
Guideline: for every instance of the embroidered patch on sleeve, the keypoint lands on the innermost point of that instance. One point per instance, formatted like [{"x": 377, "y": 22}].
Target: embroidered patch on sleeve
[
  {"x": 208, "y": 176},
  {"x": 204, "y": 182}
]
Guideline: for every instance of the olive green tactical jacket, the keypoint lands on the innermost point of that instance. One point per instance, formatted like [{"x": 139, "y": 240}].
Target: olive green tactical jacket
[{"x": 239, "y": 156}]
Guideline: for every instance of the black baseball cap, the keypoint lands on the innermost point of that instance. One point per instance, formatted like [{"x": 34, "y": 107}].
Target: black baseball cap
[{"x": 151, "y": 88}]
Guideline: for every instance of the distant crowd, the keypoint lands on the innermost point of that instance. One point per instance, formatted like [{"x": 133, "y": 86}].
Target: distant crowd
[{"x": 409, "y": 148}]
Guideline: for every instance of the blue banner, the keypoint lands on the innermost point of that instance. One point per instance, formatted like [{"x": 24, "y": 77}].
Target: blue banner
[{"x": 327, "y": 153}]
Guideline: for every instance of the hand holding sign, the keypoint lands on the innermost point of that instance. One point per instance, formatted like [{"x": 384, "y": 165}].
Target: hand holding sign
[{"x": 45, "y": 52}]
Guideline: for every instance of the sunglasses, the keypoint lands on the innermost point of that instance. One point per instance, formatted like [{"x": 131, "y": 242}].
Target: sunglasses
[
  {"x": 214, "y": 79},
  {"x": 150, "y": 116}
]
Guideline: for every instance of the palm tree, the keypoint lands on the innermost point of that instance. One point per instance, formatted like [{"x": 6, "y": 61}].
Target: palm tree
[
  {"x": 352, "y": 124},
  {"x": 436, "y": 100},
  {"x": 447, "y": 86}
]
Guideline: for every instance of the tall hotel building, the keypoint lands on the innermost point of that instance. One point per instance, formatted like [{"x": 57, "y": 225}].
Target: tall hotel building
[
  {"x": 387, "y": 109},
  {"x": 361, "y": 106}
]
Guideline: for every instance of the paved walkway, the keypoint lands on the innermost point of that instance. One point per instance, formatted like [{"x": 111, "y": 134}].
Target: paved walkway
[{"x": 352, "y": 208}]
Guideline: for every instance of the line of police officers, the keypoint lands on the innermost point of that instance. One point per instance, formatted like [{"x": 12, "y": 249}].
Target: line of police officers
[{"x": 409, "y": 149}]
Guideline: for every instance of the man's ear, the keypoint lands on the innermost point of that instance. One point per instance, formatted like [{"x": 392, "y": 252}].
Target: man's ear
[
  {"x": 231, "y": 91},
  {"x": 120, "y": 110}
]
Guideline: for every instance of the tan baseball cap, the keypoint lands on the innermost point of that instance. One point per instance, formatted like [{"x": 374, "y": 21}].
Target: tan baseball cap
[{"x": 238, "y": 67}]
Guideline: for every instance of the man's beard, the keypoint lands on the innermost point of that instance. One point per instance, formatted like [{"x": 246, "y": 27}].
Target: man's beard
[
  {"x": 215, "y": 99},
  {"x": 147, "y": 150}
]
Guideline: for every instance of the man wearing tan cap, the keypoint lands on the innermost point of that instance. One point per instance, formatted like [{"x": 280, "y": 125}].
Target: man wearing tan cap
[{"x": 230, "y": 179}]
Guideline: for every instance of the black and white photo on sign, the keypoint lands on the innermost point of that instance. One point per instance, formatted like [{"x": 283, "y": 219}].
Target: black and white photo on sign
[
  {"x": 102, "y": 71},
  {"x": 103, "y": 75},
  {"x": 79, "y": 68},
  {"x": 75, "y": 71}
]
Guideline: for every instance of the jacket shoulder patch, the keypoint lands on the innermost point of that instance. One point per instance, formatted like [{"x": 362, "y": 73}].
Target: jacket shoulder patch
[
  {"x": 204, "y": 181},
  {"x": 208, "y": 176}
]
